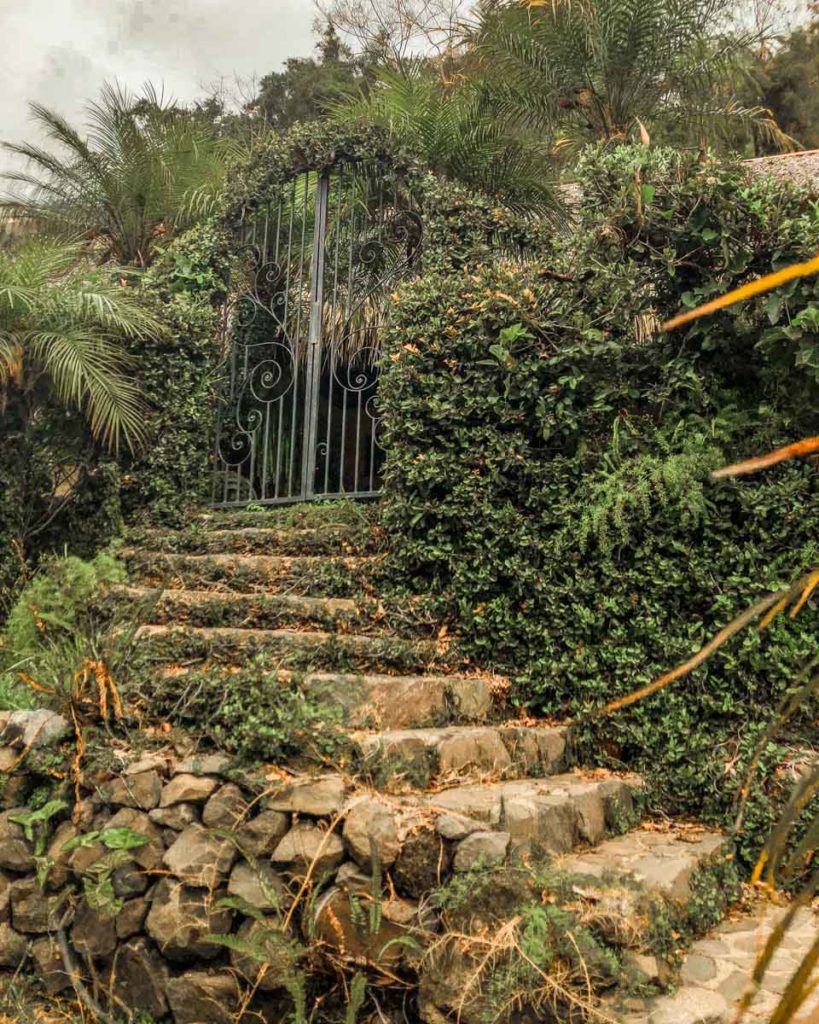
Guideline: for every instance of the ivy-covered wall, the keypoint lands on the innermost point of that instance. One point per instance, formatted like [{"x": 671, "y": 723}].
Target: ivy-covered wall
[{"x": 547, "y": 481}]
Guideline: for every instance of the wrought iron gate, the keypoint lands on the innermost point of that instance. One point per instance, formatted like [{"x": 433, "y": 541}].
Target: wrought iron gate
[{"x": 298, "y": 419}]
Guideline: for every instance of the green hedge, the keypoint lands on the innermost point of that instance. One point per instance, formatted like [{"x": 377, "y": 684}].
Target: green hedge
[{"x": 547, "y": 476}]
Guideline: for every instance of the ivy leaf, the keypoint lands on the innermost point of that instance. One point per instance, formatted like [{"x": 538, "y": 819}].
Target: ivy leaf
[
  {"x": 44, "y": 814},
  {"x": 773, "y": 307}
]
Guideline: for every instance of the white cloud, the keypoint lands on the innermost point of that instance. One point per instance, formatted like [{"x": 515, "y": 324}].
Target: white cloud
[{"x": 59, "y": 52}]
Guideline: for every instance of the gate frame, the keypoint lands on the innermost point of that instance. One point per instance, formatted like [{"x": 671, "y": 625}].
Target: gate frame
[{"x": 375, "y": 158}]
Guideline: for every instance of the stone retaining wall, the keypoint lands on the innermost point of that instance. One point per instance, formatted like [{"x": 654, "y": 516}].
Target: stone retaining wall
[{"x": 130, "y": 888}]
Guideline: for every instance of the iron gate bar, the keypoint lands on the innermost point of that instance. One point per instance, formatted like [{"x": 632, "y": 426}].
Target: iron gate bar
[{"x": 314, "y": 340}]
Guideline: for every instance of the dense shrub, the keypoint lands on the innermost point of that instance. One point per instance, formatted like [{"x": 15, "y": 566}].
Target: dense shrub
[
  {"x": 53, "y": 618},
  {"x": 548, "y": 455},
  {"x": 179, "y": 376}
]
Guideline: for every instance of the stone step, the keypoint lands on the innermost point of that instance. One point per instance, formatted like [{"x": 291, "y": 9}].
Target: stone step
[
  {"x": 231, "y": 608},
  {"x": 309, "y": 648},
  {"x": 304, "y": 515},
  {"x": 404, "y": 702},
  {"x": 540, "y": 817},
  {"x": 665, "y": 861},
  {"x": 395, "y": 759},
  {"x": 264, "y": 540},
  {"x": 315, "y": 575},
  {"x": 718, "y": 968}
]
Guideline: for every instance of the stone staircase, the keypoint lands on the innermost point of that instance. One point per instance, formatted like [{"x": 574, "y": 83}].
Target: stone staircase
[{"x": 439, "y": 778}]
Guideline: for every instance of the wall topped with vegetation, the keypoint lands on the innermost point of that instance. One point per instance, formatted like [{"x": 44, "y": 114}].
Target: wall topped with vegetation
[{"x": 547, "y": 483}]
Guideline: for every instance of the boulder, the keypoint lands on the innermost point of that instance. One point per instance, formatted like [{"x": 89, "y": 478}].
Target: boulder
[
  {"x": 320, "y": 798},
  {"x": 35, "y": 729},
  {"x": 93, "y": 934},
  {"x": 351, "y": 878},
  {"x": 140, "y": 979},
  {"x": 129, "y": 880},
  {"x": 198, "y": 997},
  {"x": 371, "y": 826},
  {"x": 131, "y": 918},
  {"x": 16, "y": 791},
  {"x": 337, "y": 923},
  {"x": 33, "y": 911},
  {"x": 142, "y": 791},
  {"x": 307, "y": 846},
  {"x": 181, "y": 919},
  {"x": 200, "y": 858},
  {"x": 188, "y": 789},
  {"x": 13, "y": 947},
  {"x": 422, "y": 863},
  {"x": 259, "y": 836},
  {"x": 5, "y": 896},
  {"x": 258, "y": 886},
  {"x": 176, "y": 818},
  {"x": 15, "y": 852},
  {"x": 49, "y": 966},
  {"x": 456, "y": 827},
  {"x": 202, "y": 764},
  {"x": 485, "y": 849},
  {"x": 226, "y": 808},
  {"x": 59, "y": 872},
  {"x": 147, "y": 762}
]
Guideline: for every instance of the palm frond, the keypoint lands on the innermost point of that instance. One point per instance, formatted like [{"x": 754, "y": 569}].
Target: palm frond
[{"x": 145, "y": 169}]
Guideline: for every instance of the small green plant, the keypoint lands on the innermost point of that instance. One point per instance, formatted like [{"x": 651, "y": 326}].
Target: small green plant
[{"x": 49, "y": 628}]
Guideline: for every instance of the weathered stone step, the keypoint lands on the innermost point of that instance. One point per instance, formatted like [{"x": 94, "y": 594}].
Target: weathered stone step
[
  {"x": 539, "y": 817},
  {"x": 217, "y": 539},
  {"x": 232, "y": 646},
  {"x": 718, "y": 970},
  {"x": 320, "y": 575},
  {"x": 254, "y": 610},
  {"x": 665, "y": 861},
  {"x": 309, "y": 514},
  {"x": 416, "y": 757},
  {"x": 403, "y": 702}
]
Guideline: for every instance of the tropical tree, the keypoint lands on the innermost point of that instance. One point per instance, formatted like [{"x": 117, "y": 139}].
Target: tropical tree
[
  {"x": 306, "y": 86},
  {"x": 145, "y": 169},
  {"x": 61, "y": 325},
  {"x": 604, "y": 69},
  {"x": 451, "y": 127}
]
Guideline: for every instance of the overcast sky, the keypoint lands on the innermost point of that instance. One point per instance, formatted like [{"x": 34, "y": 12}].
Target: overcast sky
[{"x": 59, "y": 52}]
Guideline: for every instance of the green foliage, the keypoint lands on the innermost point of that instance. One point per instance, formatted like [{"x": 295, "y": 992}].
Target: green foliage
[
  {"x": 785, "y": 81},
  {"x": 67, "y": 391},
  {"x": 605, "y": 69},
  {"x": 145, "y": 169},
  {"x": 249, "y": 713},
  {"x": 455, "y": 134},
  {"x": 57, "y": 603},
  {"x": 114, "y": 839},
  {"x": 178, "y": 375},
  {"x": 52, "y": 624},
  {"x": 61, "y": 324},
  {"x": 546, "y": 481},
  {"x": 307, "y": 86}
]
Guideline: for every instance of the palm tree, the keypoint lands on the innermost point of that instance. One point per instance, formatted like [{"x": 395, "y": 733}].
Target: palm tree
[
  {"x": 599, "y": 69},
  {"x": 451, "y": 128},
  {"x": 145, "y": 169},
  {"x": 61, "y": 323}
]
